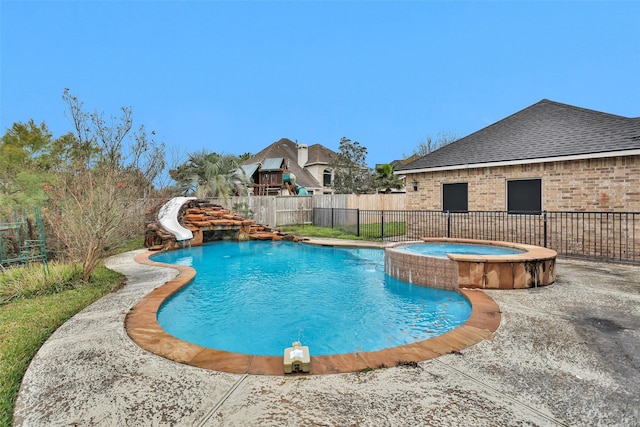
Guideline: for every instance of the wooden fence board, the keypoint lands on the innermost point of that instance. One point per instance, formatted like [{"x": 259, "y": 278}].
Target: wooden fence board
[{"x": 297, "y": 210}]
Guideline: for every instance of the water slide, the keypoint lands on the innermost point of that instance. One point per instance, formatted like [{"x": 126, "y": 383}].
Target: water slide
[
  {"x": 290, "y": 178},
  {"x": 168, "y": 218},
  {"x": 300, "y": 190}
]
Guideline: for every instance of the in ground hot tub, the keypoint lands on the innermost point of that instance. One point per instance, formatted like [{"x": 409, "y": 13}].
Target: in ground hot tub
[{"x": 465, "y": 263}]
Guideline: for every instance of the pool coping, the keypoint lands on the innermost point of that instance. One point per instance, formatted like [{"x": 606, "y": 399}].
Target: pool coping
[{"x": 143, "y": 328}]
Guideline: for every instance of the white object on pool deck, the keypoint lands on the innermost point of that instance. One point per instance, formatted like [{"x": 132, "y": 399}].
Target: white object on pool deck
[
  {"x": 296, "y": 354},
  {"x": 168, "y": 218},
  {"x": 296, "y": 358}
]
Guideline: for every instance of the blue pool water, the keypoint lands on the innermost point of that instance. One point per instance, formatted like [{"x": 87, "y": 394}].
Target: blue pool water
[
  {"x": 440, "y": 250},
  {"x": 259, "y": 297}
]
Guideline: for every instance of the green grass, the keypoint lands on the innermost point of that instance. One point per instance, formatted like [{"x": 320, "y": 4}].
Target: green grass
[
  {"x": 314, "y": 231},
  {"x": 374, "y": 231},
  {"x": 26, "y": 323},
  {"x": 129, "y": 245},
  {"x": 367, "y": 231},
  {"x": 37, "y": 280},
  {"x": 33, "y": 305}
]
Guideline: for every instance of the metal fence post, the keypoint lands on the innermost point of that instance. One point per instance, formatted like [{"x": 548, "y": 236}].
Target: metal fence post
[
  {"x": 382, "y": 225},
  {"x": 544, "y": 221},
  {"x": 448, "y": 224},
  {"x": 331, "y": 217},
  {"x": 358, "y": 222}
]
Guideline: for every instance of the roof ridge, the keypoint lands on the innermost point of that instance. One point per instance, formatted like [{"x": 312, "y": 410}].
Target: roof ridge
[{"x": 588, "y": 110}]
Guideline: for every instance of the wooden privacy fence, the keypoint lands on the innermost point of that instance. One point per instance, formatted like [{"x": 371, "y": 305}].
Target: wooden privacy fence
[{"x": 275, "y": 211}]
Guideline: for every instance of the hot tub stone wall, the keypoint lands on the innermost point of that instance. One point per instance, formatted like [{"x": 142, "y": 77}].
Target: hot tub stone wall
[
  {"x": 534, "y": 267},
  {"x": 507, "y": 275},
  {"x": 441, "y": 273}
]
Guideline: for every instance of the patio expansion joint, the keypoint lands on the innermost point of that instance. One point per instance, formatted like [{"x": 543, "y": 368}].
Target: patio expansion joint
[
  {"x": 506, "y": 396},
  {"x": 224, "y": 398}
]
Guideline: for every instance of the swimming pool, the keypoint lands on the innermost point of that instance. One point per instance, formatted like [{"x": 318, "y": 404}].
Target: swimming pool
[{"x": 259, "y": 297}]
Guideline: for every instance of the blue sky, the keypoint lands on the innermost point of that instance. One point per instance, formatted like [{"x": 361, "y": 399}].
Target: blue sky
[{"x": 233, "y": 77}]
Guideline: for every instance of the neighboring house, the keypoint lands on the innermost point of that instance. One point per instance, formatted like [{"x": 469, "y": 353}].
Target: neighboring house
[
  {"x": 270, "y": 170},
  {"x": 549, "y": 156},
  {"x": 395, "y": 164}
]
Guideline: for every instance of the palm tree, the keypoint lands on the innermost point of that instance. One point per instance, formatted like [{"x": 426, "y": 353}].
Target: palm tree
[
  {"x": 385, "y": 178},
  {"x": 211, "y": 175}
]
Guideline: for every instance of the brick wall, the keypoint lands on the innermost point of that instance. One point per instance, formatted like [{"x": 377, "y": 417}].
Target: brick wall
[{"x": 609, "y": 184}]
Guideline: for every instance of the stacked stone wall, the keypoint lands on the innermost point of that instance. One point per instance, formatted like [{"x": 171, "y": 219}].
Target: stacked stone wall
[{"x": 208, "y": 222}]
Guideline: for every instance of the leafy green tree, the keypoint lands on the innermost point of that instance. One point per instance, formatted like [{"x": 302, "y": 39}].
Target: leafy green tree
[
  {"x": 211, "y": 175},
  {"x": 25, "y": 165},
  {"x": 243, "y": 157},
  {"x": 351, "y": 174},
  {"x": 385, "y": 179},
  {"x": 104, "y": 173}
]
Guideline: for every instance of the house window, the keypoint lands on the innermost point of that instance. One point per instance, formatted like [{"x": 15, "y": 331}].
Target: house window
[
  {"x": 524, "y": 196},
  {"x": 326, "y": 178},
  {"x": 455, "y": 197}
]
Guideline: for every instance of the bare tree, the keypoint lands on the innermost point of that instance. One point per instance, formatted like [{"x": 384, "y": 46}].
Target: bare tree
[
  {"x": 430, "y": 144},
  {"x": 101, "y": 183}
]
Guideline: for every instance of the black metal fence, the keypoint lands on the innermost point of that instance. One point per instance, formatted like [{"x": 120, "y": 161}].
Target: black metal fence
[{"x": 606, "y": 236}]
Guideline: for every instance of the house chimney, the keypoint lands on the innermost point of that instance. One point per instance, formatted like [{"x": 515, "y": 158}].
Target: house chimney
[{"x": 303, "y": 154}]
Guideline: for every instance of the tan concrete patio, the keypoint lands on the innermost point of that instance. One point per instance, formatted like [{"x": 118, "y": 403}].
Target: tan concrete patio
[{"x": 566, "y": 354}]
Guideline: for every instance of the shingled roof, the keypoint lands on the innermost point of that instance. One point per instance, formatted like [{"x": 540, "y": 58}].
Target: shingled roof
[
  {"x": 319, "y": 154},
  {"x": 545, "y": 131},
  {"x": 287, "y": 149}
]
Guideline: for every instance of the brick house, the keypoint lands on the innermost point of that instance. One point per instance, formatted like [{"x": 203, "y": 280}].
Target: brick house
[
  {"x": 309, "y": 165},
  {"x": 549, "y": 156}
]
